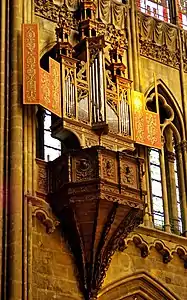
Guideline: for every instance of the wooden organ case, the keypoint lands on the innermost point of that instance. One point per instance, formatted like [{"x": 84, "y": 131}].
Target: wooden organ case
[{"x": 95, "y": 190}]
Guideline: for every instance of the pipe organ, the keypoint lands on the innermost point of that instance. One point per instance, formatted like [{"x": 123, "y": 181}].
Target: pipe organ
[
  {"x": 90, "y": 94},
  {"x": 97, "y": 87}
]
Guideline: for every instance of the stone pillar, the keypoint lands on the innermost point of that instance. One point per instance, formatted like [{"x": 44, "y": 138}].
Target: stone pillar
[
  {"x": 136, "y": 66},
  {"x": 182, "y": 189},
  {"x": 172, "y": 196},
  {"x": 148, "y": 218},
  {"x": 29, "y": 154},
  {"x": 171, "y": 181},
  {"x": 15, "y": 245},
  {"x": 3, "y": 49},
  {"x": 164, "y": 191},
  {"x": 184, "y": 152}
]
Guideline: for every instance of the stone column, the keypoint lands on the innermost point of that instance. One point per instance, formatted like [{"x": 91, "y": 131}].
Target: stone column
[
  {"x": 184, "y": 152},
  {"x": 164, "y": 191},
  {"x": 134, "y": 46},
  {"x": 182, "y": 189},
  {"x": 172, "y": 196},
  {"x": 3, "y": 49},
  {"x": 171, "y": 181},
  {"x": 148, "y": 219},
  {"x": 29, "y": 154},
  {"x": 15, "y": 259}
]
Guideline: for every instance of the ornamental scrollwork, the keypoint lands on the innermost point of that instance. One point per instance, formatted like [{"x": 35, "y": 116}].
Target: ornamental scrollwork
[
  {"x": 85, "y": 168},
  {"x": 128, "y": 174},
  {"x": 109, "y": 167}
]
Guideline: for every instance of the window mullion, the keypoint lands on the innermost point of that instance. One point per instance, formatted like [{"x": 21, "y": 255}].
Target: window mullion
[{"x": 164, "y": 192}]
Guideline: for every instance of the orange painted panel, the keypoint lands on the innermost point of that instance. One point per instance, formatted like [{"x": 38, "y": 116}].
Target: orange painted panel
[
  {"x": 39, "y": 86},
  {"x": 54, "y": 69},
  {"x": 152, "y": 130},
  {"x": 138, "y": 117},
  {"x": 146, "y": 124},
  {"x": 30, "y": 64},
  {"x": 45, "y": 89}
]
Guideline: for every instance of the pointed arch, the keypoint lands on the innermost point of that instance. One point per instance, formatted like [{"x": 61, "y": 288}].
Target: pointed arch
[
  {"x": 140, "y": 284},
  {"x": 171, "y": 100},
  {"x": 48, "y": 48}
]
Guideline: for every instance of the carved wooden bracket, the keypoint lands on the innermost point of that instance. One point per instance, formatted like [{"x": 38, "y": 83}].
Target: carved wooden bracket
[{"x": 97, "y": 195}]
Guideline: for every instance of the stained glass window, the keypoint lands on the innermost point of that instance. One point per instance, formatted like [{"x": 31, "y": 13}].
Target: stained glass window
[
  {"x": 178, "y": 197},
  {"x": 157, "y": 8},
  {"x": 156, "y": 189},
  {"x": 182, "y": 7},
  {"x": 52, "y": 147}
]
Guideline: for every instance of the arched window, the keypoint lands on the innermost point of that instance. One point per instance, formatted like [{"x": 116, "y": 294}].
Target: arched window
[
  {"x": 182, "y": 7},
  {"x": 156, "y": 189},
  {"x": 48, "y": 148},
  {"x": 166, "y": 171},
  {"x": 52, "y": 147},
  {"x": 158, "y": 8}
]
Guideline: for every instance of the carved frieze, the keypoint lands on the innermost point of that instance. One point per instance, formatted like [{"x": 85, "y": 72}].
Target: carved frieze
[{"x": 159, "y": 40}]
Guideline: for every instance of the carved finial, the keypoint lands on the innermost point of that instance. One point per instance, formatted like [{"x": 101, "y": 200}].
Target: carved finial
[
  {"x": 88, "y": 10},
  {"x": 63, "y": 33},
  {"x": 88, "y": 24}
]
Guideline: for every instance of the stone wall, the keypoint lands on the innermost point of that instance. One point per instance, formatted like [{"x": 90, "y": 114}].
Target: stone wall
[
  {"x": 171, "y": 276},
  {"x": 53, "y": 271}
]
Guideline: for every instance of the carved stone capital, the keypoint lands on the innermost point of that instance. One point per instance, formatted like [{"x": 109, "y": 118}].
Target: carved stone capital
[
  {"x": 184, "y": 146},
  {"x": 178, "y": 149},
  {"x": 170, "y": 156}
]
